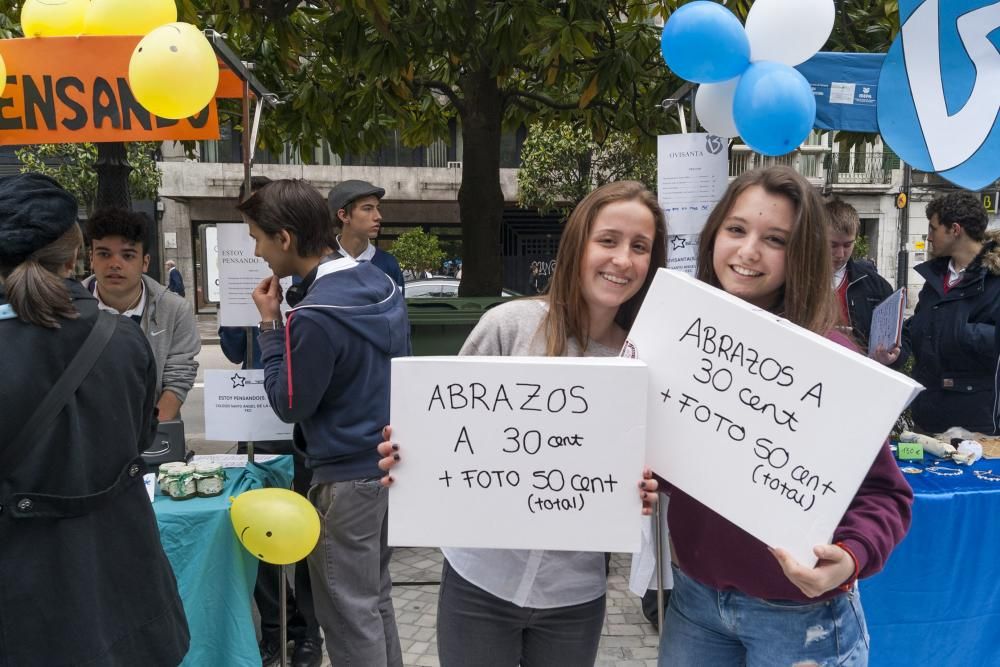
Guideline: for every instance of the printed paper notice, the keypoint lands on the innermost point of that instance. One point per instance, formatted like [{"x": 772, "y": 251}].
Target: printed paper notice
[
  {"x": 692, "y": 175},
  {"x": 842, "y": 93},
  {"x": 239, "y": 273},
  {"x": 887, "y": 322},
  {"x": 236, "y": 407}
]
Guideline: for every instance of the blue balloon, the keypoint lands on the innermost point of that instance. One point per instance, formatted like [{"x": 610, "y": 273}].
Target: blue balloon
[
  {"x": 705, "y": 43},
  {"x": 774, "y": 108}
]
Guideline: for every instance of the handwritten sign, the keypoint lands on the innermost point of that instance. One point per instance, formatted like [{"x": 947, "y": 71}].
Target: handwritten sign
[
  {"x": 887, "y": 322},
  {"x": 518, "y": 452},
  {"x": 769, "y": 425},
  {"x": 909, "y": 451},
  {"x": 239, "y": 273},
  {"x": 75, "y": 89},
  {"x": 236, "y": 407},
  {"x": 692, "y": 175}
]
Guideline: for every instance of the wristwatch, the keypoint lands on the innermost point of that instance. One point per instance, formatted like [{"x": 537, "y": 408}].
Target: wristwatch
[{"x": 271, "y": 325}]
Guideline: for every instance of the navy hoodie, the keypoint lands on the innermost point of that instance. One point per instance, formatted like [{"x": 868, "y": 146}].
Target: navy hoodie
[{"x": 329, "y": 373}]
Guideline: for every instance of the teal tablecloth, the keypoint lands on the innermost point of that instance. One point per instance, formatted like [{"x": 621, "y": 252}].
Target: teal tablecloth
[{"x": 215, "y": 574}]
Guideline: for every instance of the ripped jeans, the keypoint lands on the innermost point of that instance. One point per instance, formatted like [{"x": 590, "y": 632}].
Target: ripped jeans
[{"x": 707, "y": 627}]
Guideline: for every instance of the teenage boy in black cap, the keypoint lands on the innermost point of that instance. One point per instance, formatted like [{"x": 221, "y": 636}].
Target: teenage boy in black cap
[
  {"x": 327, "y": 371},
  {"x": 355, "y": 207}
]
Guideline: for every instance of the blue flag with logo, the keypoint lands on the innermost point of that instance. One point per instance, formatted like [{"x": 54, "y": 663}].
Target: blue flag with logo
[
  {"x": 845, "y": 86},
  {"x": 940, "y": 89}
]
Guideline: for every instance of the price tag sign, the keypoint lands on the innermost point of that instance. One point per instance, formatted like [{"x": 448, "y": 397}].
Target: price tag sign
[{"x": 910, "y": 451}]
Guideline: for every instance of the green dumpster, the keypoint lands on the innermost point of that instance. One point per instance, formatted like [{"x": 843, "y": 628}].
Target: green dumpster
[{"x": 439, "y": 326}]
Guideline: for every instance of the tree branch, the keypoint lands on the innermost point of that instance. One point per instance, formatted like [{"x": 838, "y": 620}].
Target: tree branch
[
  {"x": 552, "y": 104},
  {"x": 445, "y": 89}
]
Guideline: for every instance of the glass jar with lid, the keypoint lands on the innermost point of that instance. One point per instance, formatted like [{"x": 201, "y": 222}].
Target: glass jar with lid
[
  {"x": 181, "y": 483},
  {"x": 210, "y": 479},
  {"x": 161, "y": 476}
]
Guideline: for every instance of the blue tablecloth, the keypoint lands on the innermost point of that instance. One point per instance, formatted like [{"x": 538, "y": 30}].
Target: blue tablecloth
[
  {"x": 938, "y": 600},
  {"x": 215, "y": 574}
]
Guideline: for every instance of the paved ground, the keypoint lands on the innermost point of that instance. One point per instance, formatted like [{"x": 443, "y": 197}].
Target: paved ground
[{"x": 626, "y": 641}]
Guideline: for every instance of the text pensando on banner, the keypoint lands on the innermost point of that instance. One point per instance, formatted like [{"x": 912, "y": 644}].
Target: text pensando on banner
[
  {"x": 767, "y": 424},
  {"x": 518, "y": 453}
]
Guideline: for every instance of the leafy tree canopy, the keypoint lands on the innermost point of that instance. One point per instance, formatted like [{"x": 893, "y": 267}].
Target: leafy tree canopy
[
  {"x": 561, "y": 164},
  {"x": 72, "y": 165},
  {"x": 417, "y": 251}
]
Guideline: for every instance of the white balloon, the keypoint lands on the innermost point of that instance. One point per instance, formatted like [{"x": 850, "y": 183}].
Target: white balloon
[
  {"x": 788, "y": 31},
  {"x": 713, "y": 103}
]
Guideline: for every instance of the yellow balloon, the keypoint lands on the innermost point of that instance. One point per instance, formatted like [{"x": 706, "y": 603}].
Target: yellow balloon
[
  {"x": 122, "y": 17},
  {"x": 53, "y": 18},
  {"x": 275, "y": 525},
  {"x": 173, "y": 71}
]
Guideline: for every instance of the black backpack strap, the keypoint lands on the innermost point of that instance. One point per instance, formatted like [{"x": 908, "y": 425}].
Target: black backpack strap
[{"x": 42, "y": 419}]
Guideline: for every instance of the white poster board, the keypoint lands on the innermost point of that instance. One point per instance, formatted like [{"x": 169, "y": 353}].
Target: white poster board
[
  {"x": 239, "y": 273},
  {"x": 767, "y": 424},
  {"x": 236, "y": 407},
  {"x": 692, "y": 175},
  {"x": 887, "y": 322},
  {"x": 518, "y": 452}
]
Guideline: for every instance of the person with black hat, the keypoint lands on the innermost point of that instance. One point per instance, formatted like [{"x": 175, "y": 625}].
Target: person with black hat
[
  {"x": 84, "y": 576},
  {"x": 355, "y": 207}
]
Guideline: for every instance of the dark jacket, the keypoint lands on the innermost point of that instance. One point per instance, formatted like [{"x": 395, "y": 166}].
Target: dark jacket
[
  {"x": 390, "y": 266},
  {"x": 83, "y": 576},
  {"x": 175, "y": 282},
  {"x": 865, "y": 290},
  {"x": 335, "y": 384},
  {"x": 954, "y": 342}
]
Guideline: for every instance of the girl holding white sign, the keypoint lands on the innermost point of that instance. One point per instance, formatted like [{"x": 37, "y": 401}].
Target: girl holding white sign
[
  {"x": 735, "y": 601},
  {"x": 508, "y": 607}
]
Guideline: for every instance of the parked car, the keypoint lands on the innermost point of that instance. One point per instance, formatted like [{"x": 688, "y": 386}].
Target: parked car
[{"x": 439, "y": 287}]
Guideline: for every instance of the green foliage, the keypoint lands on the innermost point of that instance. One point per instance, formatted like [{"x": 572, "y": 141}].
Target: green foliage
[
  {"x": 72, "y": 165},
  {"x": 561, "y": 164},
  {"x": 417, "y": 251},
  {"x": 860, "y": 247}
]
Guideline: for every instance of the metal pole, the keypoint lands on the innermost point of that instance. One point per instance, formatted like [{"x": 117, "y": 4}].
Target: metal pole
[
  {"x": 902, "y": 263},
  {"x": 245, "y": 140},
  {"x": 282, "y": 597},
  {"x": 658, "y": 536}
]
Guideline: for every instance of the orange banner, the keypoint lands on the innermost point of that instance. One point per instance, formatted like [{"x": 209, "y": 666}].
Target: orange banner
[{"x": 75, "y": 89}]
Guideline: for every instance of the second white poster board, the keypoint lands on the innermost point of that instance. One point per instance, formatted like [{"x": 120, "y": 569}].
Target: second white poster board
[
  {"x": 518, "y": 452},
  {"x": 767, "y": 424}
]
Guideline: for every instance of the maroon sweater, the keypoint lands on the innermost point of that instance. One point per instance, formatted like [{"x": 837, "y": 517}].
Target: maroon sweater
[{"x": 717, "y": 553}]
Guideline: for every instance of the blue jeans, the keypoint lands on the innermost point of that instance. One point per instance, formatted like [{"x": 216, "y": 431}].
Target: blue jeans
[
  {"x": 349, "y": 570},
  {"x": 478, "y": 629},
  {"x": 713, "y": 628}
]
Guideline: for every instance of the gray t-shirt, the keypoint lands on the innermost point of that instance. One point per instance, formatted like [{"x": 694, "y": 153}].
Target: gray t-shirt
[{"x": 528, "y": 578}]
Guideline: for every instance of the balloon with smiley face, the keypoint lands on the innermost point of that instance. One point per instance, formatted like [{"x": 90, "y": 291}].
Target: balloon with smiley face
[
  {"x": 121, "y": 17},
  {"x": 173, "y": 71},
  {"x": 53, "y": 18},
  {"x": 277, "y": 526}
]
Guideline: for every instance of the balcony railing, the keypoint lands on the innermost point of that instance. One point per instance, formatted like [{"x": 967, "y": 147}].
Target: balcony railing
[
  {"x": 860, "y": 168},
  {"x": 852, "y": 168}
]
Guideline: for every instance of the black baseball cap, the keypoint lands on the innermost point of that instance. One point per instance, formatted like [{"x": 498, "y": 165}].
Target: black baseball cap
[{"x": 348, "y": 191}]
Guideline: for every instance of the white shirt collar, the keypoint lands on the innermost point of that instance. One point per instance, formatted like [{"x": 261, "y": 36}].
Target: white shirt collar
[
  {"x": 839, "y": 276},
  {"x": 954, "y": 276},
  {"x": 136, "y": 311},
  {"x": 366, "y": 255}
]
